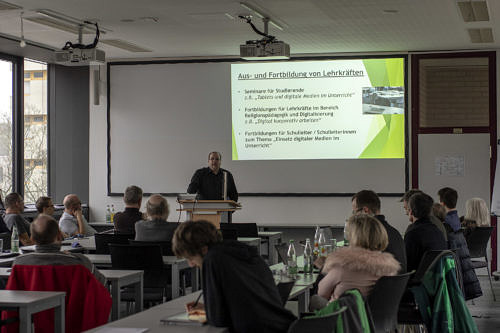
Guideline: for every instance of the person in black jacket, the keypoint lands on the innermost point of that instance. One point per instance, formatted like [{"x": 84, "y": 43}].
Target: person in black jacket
[
  {"x": 239, "y": 291},
  {"x": 368, "y": 202},
  {"x": 422, "y": 235}
]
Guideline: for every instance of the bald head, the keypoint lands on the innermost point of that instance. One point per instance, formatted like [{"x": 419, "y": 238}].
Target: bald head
[
  {"x": 71, "y": 203},
  {"x": 157, "y": 207},
  {"x": 44, "y": 230}
]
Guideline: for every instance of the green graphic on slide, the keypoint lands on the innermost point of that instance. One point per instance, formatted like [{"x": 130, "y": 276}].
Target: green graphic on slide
[
  {"x": 385, "y": 72},
  {"x": 388, "y": 142},
  {"x": 235, "y": 148}
]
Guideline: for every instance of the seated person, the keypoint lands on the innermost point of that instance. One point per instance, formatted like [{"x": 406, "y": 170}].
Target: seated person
[
  {"x": 360, "y": 264},
  {"x": 238, "y": 287},
  {"x": 14, "y": 206},
  {"x": 47, "y": 238},
  {"x": 434, "y": 219},
  {"x": 125, "y": 221},
  {"x": 44, "y": 205},
  {"x": 422, "y": 235},
  {"x": 476, "y": 215},
  {"x": 72, "y": 221},
  {"x": 368, "y": 202},
  {"x": 448, "y": 199},
  {"x": 155, "y": 228}
]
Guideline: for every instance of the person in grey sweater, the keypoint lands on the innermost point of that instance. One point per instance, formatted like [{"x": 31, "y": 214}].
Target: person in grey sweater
[{"x": 155, "y": 228}]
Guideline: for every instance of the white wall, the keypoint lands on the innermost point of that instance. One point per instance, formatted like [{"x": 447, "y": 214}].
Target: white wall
[{"x": 263, "y": 210}]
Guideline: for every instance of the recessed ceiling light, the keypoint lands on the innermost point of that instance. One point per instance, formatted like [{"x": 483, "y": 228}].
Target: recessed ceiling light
[
  {"x": 390, "y": 11},
  {"x": 129, "y": 20}
]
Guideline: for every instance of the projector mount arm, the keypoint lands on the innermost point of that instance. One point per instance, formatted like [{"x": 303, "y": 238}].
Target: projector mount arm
[
  {"x": 70, "y": 45},
  {"x": 267, "y": 37}
]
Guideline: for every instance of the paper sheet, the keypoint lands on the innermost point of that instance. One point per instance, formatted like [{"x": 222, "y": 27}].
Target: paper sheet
[{"x": 450, "y": 165}]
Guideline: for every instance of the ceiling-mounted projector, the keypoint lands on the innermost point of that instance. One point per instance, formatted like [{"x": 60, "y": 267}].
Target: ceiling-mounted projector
[
  {"x": 264, "y": 50},
  {"x": 267, "y": 48},
  {"x": 80, "y": 57},
  {"x": 78, "y": 54}
]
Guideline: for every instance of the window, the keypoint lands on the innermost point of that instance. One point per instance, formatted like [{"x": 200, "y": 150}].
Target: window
[
  {"x": 6, "y": 112},
  {"x": 27, "y": 75},
  {"x": 35, "y": 133}
]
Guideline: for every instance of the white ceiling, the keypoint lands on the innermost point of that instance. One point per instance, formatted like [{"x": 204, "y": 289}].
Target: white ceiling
[{"x": 191, "y": 28}]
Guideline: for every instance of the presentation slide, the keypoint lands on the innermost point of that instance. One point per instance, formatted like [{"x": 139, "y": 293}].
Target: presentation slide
[{"x": 335, "y": 109}]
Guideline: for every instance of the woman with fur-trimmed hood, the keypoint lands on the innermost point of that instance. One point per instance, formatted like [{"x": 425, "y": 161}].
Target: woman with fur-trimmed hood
[{"x": 360, "y": 264}]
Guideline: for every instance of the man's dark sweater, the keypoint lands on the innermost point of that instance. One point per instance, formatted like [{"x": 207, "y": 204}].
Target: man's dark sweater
[
  {"x": 421, "y": 237},
  {"x": 125, "y": 221},
  {"x": 239, "y": 291},
  {"x": 396, "y": 245}
]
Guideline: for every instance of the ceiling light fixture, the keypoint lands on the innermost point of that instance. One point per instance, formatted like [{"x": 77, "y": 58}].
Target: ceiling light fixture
[
  {"x": 473, "y": 11},
  {"x": 75, "y": 23},
  {"x": 260, "y": 15}
]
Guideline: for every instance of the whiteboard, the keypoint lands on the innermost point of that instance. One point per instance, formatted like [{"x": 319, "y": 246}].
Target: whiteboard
[{"x": 164, "y": 119}]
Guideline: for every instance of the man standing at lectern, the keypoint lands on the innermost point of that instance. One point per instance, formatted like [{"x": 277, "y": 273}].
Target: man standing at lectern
[{"x": 209, "y": 182}]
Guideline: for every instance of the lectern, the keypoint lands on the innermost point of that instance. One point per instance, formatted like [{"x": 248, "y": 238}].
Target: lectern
[{"x": 209, "y": 210}]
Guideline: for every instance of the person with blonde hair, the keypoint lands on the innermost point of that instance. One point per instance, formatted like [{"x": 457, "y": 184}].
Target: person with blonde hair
[
  {"x": 360, "y": 264},
  {"x": 476, "y": 215}
]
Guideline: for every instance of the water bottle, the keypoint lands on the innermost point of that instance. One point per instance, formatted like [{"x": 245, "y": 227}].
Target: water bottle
[
  {"x": 14, "y": 240},
  {"x": 322, "y": 244},
  {"x": 292, "y": 260},
  {"x": 316, "y": 243},
  {"x": 308, "y": 257},
  {"x": 108, "y": 214},
  {"x": 112, "y": 214}
]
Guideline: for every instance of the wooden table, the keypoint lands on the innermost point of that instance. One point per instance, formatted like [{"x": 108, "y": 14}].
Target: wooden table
[
  {"x": 175, "y": 263},
  {"x": 273, "y": 238},
  {"x": 150, "y": 319},
  {"x": 116, "y": 279},
  {"x": 30, "y": 302}
]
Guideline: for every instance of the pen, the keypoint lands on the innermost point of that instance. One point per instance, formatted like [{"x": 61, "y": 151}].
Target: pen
[{"x": 197, "y": 300}]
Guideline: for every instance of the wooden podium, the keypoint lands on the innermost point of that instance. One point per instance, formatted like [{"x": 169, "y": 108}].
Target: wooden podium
[{"x": 209, "y": 210}]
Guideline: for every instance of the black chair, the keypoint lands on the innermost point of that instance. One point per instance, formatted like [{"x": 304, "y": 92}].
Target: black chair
[
  {"x": 282, "y": 250},
  {"x": 477, "y": 242},
  {"x": 147, "y": 258},
  {"x": 243, "y": 229},
  {"x": 384, "y": 300},
  {"x": 166, "y": 247},
  {"x": 6, "y": 240},
  {"x": 317, "y": 324},
  {"x": 103, "y": 239},
  {"x": 284, "y": 288},
  {"x": 408, "y": 312}
]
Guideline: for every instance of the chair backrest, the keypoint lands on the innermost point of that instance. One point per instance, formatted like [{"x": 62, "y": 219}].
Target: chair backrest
[
  {"x": 147, "y": 258},
  {"x": 6, "y": 240},
  {"x": 428, "y": 261},
  {"x": 384, "y": 301},
  {"x": 166, "y": 247},
  {"x": 103, "y": 239},
  {"x": 282, "y": 250},
  {"x": 229, "y": 233},
  {"x": 284, "y": 288},
  {"x": 243, "y": 229},
  {"x": 477, "y": 241},
  {"x": 87, "y": 302},
  {"x": 326, "y": 323}
]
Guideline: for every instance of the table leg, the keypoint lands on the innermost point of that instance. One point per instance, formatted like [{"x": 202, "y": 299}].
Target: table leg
[
  {"x": 24, "y": 320},
  {"x": 139, "y": 295},
  {"x": 59, "y": 317},
  {"x": 304, "y": 301},
  {"x": 115, "y": 294},
  {"x": 175, "y": 281}
]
